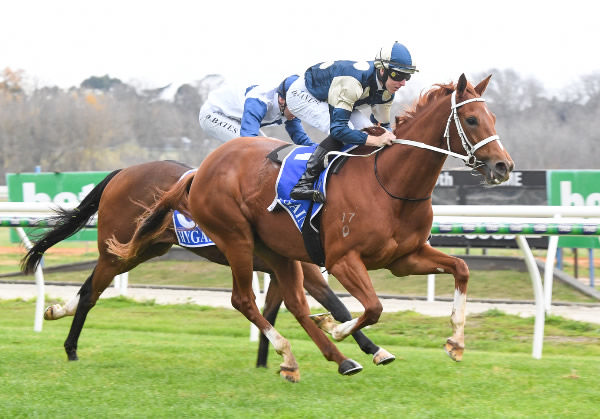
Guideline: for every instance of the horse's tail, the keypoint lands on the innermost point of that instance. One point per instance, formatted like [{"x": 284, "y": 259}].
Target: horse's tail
[
  {"x": 66, "y": 223},
  {"x": 154, "y": 221}
]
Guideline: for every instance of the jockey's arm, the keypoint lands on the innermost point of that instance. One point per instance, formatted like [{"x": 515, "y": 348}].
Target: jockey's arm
[
  {"x": 254, "y": 112},
  {"x": 343, "y": 94},
  {"x": 296, "y": 132}
]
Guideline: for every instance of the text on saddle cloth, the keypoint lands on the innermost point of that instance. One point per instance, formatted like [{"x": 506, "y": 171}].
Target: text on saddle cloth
[{"x": 187, "y": 232}]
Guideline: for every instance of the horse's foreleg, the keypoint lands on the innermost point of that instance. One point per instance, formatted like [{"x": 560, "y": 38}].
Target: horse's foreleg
[
  {"x": 428, "y": 260},
  {"x": 272, "y": 304},
  {"x": 289, "y": 274},
  {"x": 317, "y": 287}
]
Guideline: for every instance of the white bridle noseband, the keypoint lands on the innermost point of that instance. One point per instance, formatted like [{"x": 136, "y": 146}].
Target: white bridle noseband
[{"x": 470, "y": 149}]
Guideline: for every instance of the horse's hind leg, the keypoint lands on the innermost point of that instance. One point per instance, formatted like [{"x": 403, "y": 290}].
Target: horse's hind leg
[
  {"x": 81, "y": 311},
  {"x": 270, "y": 310},
  {"x": 88, "y": 295},
  {"x": 319, "y": 289}
]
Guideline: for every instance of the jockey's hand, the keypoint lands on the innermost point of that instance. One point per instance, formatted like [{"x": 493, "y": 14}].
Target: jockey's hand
[{"x": 384, "y": 139}]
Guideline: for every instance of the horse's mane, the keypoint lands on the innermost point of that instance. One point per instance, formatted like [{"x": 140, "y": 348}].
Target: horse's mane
[{"x": 426, "y": 99}]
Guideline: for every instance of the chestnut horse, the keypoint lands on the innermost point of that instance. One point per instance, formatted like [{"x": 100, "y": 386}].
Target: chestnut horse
[
  {"x": 378, "y": 214},
  {"x": 119, "y": 200}
]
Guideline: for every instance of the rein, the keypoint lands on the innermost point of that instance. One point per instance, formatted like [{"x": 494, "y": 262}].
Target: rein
[
  {"x": 470, "y": 159},
  {"x": 391, "y": 194}
]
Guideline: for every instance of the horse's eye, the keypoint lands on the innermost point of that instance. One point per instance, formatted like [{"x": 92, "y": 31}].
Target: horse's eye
[{"x": 471, "y": 120}]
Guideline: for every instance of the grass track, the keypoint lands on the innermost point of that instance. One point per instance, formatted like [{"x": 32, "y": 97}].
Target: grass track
[{"x": 142, "y": 360}]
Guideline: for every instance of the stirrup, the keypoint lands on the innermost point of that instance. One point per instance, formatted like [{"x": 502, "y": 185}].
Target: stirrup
[{"x": 308, "y": 195}]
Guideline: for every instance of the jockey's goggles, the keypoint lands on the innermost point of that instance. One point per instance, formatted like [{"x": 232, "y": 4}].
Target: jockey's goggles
[{"x": 397, "y": 75}]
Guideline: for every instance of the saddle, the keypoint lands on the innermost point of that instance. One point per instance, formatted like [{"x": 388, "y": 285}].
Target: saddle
[{"x": 301, "y": 211}]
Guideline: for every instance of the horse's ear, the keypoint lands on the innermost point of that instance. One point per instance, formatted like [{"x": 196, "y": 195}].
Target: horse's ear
[
  {"x": 462, "y": 85},
  {"x": 480, "y": 88}
]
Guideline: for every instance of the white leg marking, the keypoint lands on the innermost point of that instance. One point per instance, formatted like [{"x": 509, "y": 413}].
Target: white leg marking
[
  {"x": 71, "y": 306},
  {"x": 341, "y": 331},
  {"x": 276, "y": 339},
  {"x": 58, "y": 311},
  {"x": 458, "y": 315}
]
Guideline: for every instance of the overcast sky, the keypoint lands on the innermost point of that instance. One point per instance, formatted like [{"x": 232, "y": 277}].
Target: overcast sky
[{"x": 63, "y": 42}]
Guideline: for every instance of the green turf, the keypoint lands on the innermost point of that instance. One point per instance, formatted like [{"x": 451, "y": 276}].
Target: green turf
[{"x": 144, "y": 360}]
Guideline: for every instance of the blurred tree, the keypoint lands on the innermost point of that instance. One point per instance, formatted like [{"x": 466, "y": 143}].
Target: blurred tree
[
  {"x": 105, "y": 124},
  {"x": 100, "y": 83},
  {"x": 10, "y": 81}
]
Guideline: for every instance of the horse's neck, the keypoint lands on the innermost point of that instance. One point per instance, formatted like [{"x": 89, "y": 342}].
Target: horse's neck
[{"x": 411, "y": 171}]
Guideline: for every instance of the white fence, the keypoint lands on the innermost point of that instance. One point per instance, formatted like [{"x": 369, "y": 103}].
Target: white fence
[{"x": 520, "y": 221}]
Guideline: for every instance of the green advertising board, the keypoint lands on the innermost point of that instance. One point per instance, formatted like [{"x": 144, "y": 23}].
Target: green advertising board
[
  {"x": 59, "y": 188},
  {"x": 574, "y": 188}
]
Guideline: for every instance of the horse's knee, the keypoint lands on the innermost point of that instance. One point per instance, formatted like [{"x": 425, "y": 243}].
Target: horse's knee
[
  {"x": 373, "y": 312},
  {"x": 236, "y": 302},
  {"x": 461, "y": 274}
]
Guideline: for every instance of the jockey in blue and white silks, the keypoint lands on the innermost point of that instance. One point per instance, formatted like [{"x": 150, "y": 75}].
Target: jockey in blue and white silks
[
  {"x": 328, "y": 96},
  {"x": 231, "y": 112}
]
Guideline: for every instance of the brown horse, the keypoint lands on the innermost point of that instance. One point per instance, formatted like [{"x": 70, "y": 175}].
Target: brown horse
[
  {"x": 119, "y": 200},
  {"x": 378, "y": 214}
]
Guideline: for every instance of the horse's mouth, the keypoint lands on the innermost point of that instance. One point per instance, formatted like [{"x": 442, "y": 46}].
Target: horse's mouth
[{"x": 496, "y": 173}]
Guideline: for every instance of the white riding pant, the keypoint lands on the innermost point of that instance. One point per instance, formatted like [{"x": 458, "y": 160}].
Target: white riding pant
[
  {"x": 219, "y": 126},
  {"x": 315, "y": 112}
]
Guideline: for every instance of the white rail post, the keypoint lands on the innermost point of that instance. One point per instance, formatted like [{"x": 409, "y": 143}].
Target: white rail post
[
  {"x": 549, "y": 272},
  {"x": 266, "y": 283},
  {"x": 256, "y": 289},
  {"x": 120, "y": 282},
  {"x": 38, "y": 319},
  {"x": 431, "y": 287},
  {"x": 534, "y": 273},
  {"x": 124, "y": 277}
]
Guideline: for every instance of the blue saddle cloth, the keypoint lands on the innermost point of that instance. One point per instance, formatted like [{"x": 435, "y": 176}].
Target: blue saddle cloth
[
  {"x": 188, "y": 233},
  {"x": 292, "y": 168}
]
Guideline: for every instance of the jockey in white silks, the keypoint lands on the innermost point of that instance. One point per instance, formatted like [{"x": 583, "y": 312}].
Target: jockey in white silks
[
  {"x": 231, "y": 112},
  {"x": 328, "y": 96}
]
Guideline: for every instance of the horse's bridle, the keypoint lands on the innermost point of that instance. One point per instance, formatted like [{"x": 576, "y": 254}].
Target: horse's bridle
[{"x": 470, "y": 158}]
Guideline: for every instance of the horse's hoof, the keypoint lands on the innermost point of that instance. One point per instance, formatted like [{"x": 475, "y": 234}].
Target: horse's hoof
[
  {"x": 349, "y": 367},
  {"x": 72, "y": 354},
  {"x": 324, "y": 321},
  {"x": 49, "y": 313},
  {"x": 290, "y": 374},
  {"x": 383, "y": 357},
  {"x": 454, "y": 350}
]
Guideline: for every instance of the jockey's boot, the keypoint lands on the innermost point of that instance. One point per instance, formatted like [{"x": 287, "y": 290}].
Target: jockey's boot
[{"x": 304, "y": 189}]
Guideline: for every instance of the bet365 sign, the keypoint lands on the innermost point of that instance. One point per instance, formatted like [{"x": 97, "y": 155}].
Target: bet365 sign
[
  {"x": 576, "y": 188},
  {"x": 59, "y": 188}
]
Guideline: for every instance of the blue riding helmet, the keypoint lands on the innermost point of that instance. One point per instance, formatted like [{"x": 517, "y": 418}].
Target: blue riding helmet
[
  {"x": 285, "y": 85},
  {"x": 395, "y": 58}
]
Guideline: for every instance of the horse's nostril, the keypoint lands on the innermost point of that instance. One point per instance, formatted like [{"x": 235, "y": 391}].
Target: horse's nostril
[{"x": 501, "y": 169}]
